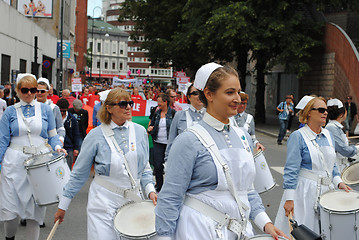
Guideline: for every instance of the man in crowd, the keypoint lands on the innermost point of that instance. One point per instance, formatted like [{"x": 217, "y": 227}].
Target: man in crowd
[
  {"x": 351, "y": 114},
  {"x": 172, "y": 94},
  {"x": 285, "y": 109},
  {"x": 81, "y": 116}
]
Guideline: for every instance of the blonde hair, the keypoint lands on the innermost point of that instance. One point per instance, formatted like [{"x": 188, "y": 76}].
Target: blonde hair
[
  {"x": 244, "y": 96},
  {"x": 26, "y": 79},
  {"x": 113, "y": 97},
  {"x": 303, "y": 114}
]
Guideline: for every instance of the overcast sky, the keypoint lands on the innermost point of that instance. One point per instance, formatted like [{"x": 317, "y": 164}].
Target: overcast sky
[{"x": 91, "y": 4}]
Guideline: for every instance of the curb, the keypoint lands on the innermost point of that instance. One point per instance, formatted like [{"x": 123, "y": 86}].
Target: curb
[{"x": 271, "y": 134}]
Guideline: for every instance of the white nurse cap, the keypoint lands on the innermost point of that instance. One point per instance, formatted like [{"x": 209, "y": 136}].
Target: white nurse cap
[
  {"x": 44, "y": 80},
  {"x": 21, "y": 75},
  {"x": 335, "y": 102},
  {"x": 203, "y": 74},
  {"x": 303, "y": 102},
  {"x": 103, "y": 95}
]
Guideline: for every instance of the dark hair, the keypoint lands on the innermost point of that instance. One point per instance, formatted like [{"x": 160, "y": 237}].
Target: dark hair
[
  {"x": 188, "y": 92},
  {"x": 334, "y": 112},
  {"x": 63, "y": 103},
  {"x": 214, "y": 81},
  {"x": 43, "y": 84},
  {"x": 165, "y": 98}
]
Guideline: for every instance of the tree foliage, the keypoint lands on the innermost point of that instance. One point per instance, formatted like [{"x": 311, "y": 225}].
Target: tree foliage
[{"x": 189, "y": 33}]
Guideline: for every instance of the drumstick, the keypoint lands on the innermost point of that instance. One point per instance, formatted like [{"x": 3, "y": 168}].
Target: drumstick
[
  {"x": 53, "y": 230},
  {"x": 290, "y": 225},
  {"x": 352, "y": 137}
]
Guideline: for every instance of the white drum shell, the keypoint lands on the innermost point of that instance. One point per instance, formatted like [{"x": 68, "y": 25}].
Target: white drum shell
[
  {"x": 263, "y": 181},
  {"x": 48, "y": 181},
  {"x": 350, "y": 176},
  {"x": 339, "y": 224},
  {"x": 136, "y": 221}
]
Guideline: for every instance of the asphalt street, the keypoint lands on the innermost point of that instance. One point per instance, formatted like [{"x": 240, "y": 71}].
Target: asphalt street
[{"x": 75, "y": 227}]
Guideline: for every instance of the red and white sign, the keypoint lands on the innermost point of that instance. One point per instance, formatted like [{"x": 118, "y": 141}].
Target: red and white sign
[
  {"x": 143, "y": 107},
  {"x": 183, "y": 80},
  {"x": 179, "y": 74},
  {"x": 76, "y": 85}
]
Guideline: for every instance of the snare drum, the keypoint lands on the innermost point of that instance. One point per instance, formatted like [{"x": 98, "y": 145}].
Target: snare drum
[
  {"x": 263, "y": 181},
  {"x": 264, "y": 237},
  {"x": 136, "y": 220},
  {"x": 47, "y": 173},
  {"x": 350, "y": 176},
  {"x": 339, "y": 215}
]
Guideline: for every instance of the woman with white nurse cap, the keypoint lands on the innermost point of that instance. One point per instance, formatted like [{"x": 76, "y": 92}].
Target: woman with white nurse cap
[
  {"x": 336, "y": 115},
  {"x": 198, "y": 196},
  {"x": 310, "y": 168},
  {"x": 25, "y": 129}
]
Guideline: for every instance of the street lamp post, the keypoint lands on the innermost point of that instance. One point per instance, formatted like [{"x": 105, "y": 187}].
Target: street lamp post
[{"x": 93, "y": 42}]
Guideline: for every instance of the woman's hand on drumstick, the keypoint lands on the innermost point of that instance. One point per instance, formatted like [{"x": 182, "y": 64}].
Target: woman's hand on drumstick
[
  {"x": 289, "y": 207},
  {"x": 344, "y": 187},
  {"x": 153, "y": 197},
  {"x": 274, "y": 231},
  {"x": 60, "y": 215},
  {"x": 62, "y": 150},
  {"x": 260, "y": 146}
]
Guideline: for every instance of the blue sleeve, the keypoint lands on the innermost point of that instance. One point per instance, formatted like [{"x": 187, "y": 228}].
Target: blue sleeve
[
  {"x": 59, "y": 123},
  {"x": 94, "y": 116},
  {"x": 51, "y": 125},
  {"x": 256, "y": 204},
  {"x": 340, "y": 146},
  {"x": 83, "y": 164},
  {"x": 173, "y": 134},
  {"x": 280, "y": 106},
  {"x": 179, "y": 171},
  {"x": 5, "y": 132},
  {"x": 145, "y": 170},
  {"x": 294, "y": 160}
]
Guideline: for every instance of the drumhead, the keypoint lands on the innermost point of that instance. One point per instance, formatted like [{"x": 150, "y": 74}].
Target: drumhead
[
  {"x": 340, "y": 201},
  {"x": 350, "y": 174},
  {"x": 136, "y": 219},
  {"x": 264, "y": 237},
  {"x": 41, "y": 159}
]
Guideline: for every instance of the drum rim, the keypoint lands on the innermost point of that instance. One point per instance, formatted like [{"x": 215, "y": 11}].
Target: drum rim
[
  {"x": 274, "y": 185},
  {"x": 345, "y": 179},
  {"x": 264, "y": 235},
  {"x": 61, "y": 155},
  {"x": 129, "y": 236},
  {"x": 326, "y": 209},
  {"x": 257, "y": 153}
]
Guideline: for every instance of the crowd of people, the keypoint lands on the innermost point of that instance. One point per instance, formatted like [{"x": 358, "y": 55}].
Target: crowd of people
[{"x": 198, "y": 148}]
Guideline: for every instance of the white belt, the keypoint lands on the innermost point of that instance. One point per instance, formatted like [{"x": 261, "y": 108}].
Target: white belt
[
  {"x": 222, "y": 219},
  {"x": 317, "y": 178},
  {"x": 126, "y": 193},
  {"x": 28, "y": 149}
]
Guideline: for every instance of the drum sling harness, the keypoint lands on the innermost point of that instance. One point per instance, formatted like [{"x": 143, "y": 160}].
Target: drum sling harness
[
  {"x": 126, "y": 193},
  {"x": 234, "y": 225}
]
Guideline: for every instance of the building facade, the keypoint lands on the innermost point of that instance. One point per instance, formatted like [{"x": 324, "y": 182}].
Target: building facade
[
  {"x": 139, "y": 65},
  {"x": 107, "y": 51}
]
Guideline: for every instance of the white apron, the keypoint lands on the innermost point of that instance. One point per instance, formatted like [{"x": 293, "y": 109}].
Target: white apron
[
  {"x": 193, "y": 225},
  {"x": 102, "y": 203},
  {"x": 16, "y": 197},
  {"x": 342, "y": 162},
  {"x": 306, "y": 191}
]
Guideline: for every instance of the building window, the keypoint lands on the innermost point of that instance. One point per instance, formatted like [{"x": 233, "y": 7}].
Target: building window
[
  {"x": 121, "y": 65},
  {"x": 106, "y": 64},
  {"x": 121, "y": 51},
  {"x": 98, "y": 64},
  {"x": 114, "y": 48},
  {"x": 98, "y": 47},
  {"x": 113, "y": 65},
  {"x": 22, "y": 65}
]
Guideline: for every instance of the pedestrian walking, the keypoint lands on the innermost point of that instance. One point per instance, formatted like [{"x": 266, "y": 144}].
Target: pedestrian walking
[
  {"x": 72, "y": 142},
  {"x": 285, "y": 109},
  {"x": 310, "y": 169},
  {"x": 81, "y": 116},
  {"x": 351, "y": 114},
  {"x": 118, "y": 149},
  {"x": 197, "y": 191},
  {"x": 25, "y": 128}
]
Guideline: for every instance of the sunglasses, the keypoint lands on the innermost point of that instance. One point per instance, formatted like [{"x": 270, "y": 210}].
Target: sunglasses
[
  {"x": 26, "y": 90},
  {"x": 42, "y": 90},
  {"x": 321, "y": 110},
  {"x": 123, "y": 104},
  {"x": 243, "y": 103},
  {"x": 195, "y": 93}
]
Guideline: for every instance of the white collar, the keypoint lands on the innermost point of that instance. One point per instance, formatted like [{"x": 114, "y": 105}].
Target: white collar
[
  {"x": 311, "y": 134},
  {"x": 23, "y": 103},
  {"x": 213, "y": 122},
  {"x": 113, "y": 125},
  {"x": 193, "y": 109},
  {"x": 241, "y": 114},
  {"x": 336, "y": 123}
]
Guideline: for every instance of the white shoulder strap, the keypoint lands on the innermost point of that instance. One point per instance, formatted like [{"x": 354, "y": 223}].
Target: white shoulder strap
[
  {"x": 209, "y": 143},
  {"x": 109, "y": 133},
  {"x": 249, "y": 119}
]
